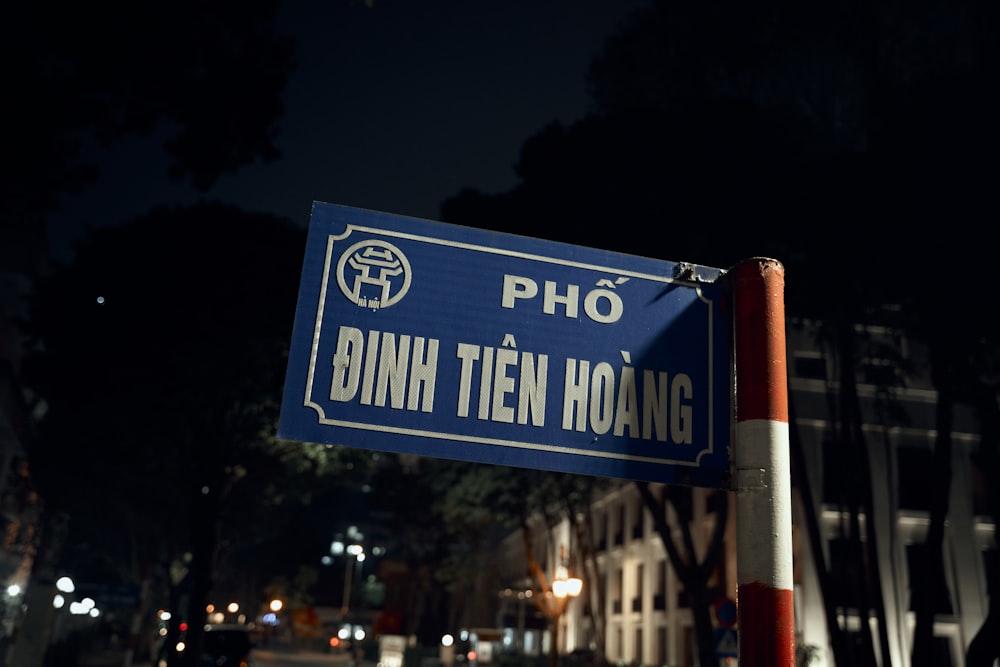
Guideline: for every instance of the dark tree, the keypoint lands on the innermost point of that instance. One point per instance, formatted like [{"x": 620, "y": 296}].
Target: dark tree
[
  {"x": 693, "y": 569},
  {"x": 161, "y": 357},
  {"x": 77, "y": 77},
  {"x": 207, "y": 79}
]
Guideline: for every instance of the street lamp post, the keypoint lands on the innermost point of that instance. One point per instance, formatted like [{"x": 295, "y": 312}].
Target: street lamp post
[
  {"x": 563, "y": 590},
  {"x": 555, "y": 598},
  {"x": 358, "y": 553}
]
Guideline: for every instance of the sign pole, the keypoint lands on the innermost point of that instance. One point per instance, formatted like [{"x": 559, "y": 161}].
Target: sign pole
[{"x": 762, "y": 475}]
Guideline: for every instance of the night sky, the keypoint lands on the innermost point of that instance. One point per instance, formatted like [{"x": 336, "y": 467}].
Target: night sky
[{"x": 393, "y": 107}]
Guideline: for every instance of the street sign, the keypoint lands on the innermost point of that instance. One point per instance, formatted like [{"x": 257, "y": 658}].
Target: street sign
[
  {"x": 420, "y": 337},
  {"x": 725, "y": 612},
  {"x": 726, "y": 643}
]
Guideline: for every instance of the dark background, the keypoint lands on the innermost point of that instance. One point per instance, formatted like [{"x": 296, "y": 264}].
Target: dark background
[
  {"x": 856, "y": 142},
  {"x": 394, "y": 106}
]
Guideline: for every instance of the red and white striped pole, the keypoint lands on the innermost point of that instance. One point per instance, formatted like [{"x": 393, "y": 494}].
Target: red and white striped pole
[{"x": 762, "y": 472}]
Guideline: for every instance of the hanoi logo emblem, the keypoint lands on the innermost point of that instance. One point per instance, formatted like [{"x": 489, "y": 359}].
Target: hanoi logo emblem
[{"x": 374, "y": 274}]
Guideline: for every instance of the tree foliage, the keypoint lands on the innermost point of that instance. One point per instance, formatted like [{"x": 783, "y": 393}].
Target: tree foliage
[
  {"x": 693, "y": 569},
  {"x": 479, "y": 504},
  {"x": 79, "y": 76},
  {"x": 161, "y": 353}
]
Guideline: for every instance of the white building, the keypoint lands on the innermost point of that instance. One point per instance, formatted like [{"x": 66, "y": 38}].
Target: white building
[{"x": 647, "y": 617}]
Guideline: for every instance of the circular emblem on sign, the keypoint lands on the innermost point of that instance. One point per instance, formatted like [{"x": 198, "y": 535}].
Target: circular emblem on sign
[{"x": 373, "y": 274}]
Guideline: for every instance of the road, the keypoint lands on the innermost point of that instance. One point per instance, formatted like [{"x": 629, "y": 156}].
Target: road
[
  {"x": 266, "y": 658},
  {"x": 261, "y": 658}
]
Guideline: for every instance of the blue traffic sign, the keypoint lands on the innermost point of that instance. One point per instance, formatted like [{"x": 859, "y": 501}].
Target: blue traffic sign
[
  {"x": 420, "y": 337},
  {"x": 726, "y": 643}
]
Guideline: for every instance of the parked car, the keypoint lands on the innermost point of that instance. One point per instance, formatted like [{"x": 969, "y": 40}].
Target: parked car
[
  {"x": 227, "y": 645},
  {"x": 583, "y": 657}
]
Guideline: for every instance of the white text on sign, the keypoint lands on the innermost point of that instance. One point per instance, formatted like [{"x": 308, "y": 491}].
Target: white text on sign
[
  {"x": 601, "y": 305},
  {"x": 504, "y": 385}
]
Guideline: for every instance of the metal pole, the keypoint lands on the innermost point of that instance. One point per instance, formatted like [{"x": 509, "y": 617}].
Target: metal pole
[
  {"x": 762, "y": 472},
  {"x": 348, "y": 578}
]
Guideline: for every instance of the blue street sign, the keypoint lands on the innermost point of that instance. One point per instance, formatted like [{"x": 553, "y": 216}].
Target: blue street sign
[
  {"x": 426, "y": 338},
  {"x": 726, "y": 643}
]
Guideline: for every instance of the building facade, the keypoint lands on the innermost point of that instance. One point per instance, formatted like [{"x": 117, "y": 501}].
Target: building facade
[{"x": 647, "y": 618}]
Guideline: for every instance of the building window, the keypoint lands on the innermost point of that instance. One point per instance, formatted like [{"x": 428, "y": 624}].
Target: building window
[
  {"x": 638, "y": 645},
  {"x": 616, "y": 594},
  {"x": 661, "y": 645},
  {"x": 847, "y": 568},
  {"x": 915, "y": 468},
  {"x": 884, "y": 350},
  {"x": 942, "y": 652},
  {"x": 601, "y": 530},
  {"x": 837, "y": 472},
  {"x": 879, "y": 372},
  {"x": 660, "y": 594},
  {"x": 809, "y": 366},
  {"x": 923, "y": 582},
  {"x": 980, "y": 495},
  {"x": 637, "y": 598},
  {"x": 990, "y": 561},
  {"x": 855, "y": 641}
]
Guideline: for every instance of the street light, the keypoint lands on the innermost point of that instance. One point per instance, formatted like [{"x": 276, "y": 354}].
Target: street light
[
  {"x": 571, "y": 587},
  {"x": 563, "y": 589},
  {"x": 556, "y": 598},
  {"x": 358, "y": 553}
]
